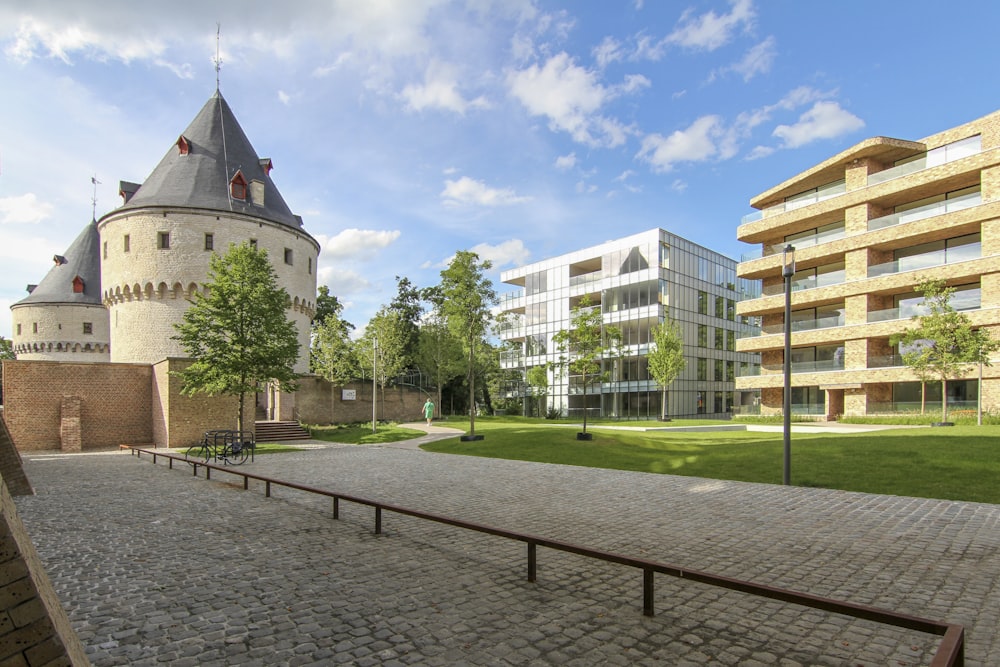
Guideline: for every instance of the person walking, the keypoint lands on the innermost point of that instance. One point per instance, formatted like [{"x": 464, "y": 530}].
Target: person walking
[{"x": 429, "y": 411}]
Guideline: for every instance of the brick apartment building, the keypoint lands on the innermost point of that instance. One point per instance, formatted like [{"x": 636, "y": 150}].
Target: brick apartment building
[{"x": 868, "y": 226}]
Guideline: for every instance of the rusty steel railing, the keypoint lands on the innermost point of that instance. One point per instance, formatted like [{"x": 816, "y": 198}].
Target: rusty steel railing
[{"x": 950, "y": 653}]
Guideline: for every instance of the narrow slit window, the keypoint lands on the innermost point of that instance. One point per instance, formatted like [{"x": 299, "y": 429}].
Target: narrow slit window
[
  {"x": 164, "y": 241},
  {"x": 126, "y": 243},
  {"x": 288, "y": 256},
  {"x": 209, "y": 241},
  {"x": 88, "y": 327}
]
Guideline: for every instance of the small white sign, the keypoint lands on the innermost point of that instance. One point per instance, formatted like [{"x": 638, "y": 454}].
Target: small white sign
[{"x": 348, "y": 394}]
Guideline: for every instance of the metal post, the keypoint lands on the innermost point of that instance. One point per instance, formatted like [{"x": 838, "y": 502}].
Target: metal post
[
  {"x": 374, "y": 381},
  {"x": 787, "y": 270},
  {"x": 979, "y": 396},
  {"x": 532, "y": 561}
]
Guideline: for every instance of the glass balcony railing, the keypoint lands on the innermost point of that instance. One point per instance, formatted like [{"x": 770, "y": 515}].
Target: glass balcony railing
[
  {"x": 933, "y": 158},
  {"x": 506, "y": 300},
  {"x": 807, "y": 325},
  {"x": 937, "y": 208},
  {"x": 958, "y": 302},
  {"x": 585, "y": 278},
  {"x": 798, "y": 244},
  {"x": 927, "y": 260},
  {"x": 822, "y": 280},
  {"x": 821, "y": 194},
  {"x": 821, "y": 366},
  {"x": 886, "y": 361}
]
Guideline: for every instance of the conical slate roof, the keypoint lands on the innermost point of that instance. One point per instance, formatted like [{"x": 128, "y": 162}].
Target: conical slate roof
[
  {"x": 196, "y": 171},
  {"x": 82, "y": 259}
]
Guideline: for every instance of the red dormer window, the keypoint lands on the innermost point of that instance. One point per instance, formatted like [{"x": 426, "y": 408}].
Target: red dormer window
[
  {"x": 183, "y": 146},
  {"x": 266, "y": 165},
  {"x": 78, "y": 285},
  {"x": 238, "y": 186}
]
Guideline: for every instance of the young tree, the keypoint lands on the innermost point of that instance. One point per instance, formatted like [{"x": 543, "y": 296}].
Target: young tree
[
  {"x": 943, "y": 344},
  {"x": 537, "y": 378},
  {"x": 384, "y": 342},
  {"x": 584, "y": 346},
  {"x": 466, "y": 296},
  {"x": 666, "y": 358},
  {"x": 439, "y": 353},
  {"x": 239, "y": 334},
  {"x": 6, "y": 349},
  {"x": 333, "y": 355},
  {"x": 407, "y": 305},
  {"x": 327, "y": 304}
]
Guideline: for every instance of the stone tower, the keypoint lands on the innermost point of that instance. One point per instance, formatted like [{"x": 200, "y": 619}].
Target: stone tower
[
  {"x": 209, "y": 191},
  {"x": 62, "y": 318}
]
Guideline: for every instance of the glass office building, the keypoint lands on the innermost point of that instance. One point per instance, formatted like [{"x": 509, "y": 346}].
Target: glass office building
[{"x": 637, "y": 282}]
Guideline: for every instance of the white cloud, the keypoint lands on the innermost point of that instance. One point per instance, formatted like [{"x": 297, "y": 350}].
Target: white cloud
[
  {"x": 607, "y": 52},
  {"x": 758, "y": 60},
  {"x": 23, "y": 209},
  {"x": 825, "y": 120},
  {"x": 697, "y": 143},
  {"x": 564, "y": 162},
  {"x": 710, "y": 30},
  {"x": 625, "y": 175},
  {"x": 342, "y": 281},
  {"x": 584, "y": 188},
  {"x": 760, "y": 152},
  {"x": 571, "y": 97},
  {"x": 467, "y": 191},
  {"x": 508, "y": 253},
  {"x": 356, "y": 244},
  {"x": 440, "y": 91},
  {"x": 284, "y": 98},
  {"x": 678, "y": 185}
]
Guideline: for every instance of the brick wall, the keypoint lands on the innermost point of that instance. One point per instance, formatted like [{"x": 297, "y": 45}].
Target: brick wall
[
  {"x": 10, "y": 464},
  {"x": 115, "y": 403},
  {"x": 181, "y": 421},
  {"x": 319, "y": 402},
  {"x": 34, "y": 628}
]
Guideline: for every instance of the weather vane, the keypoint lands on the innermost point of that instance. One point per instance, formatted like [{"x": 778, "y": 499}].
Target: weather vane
[
  {"x": 218, "y": 58},
  {"x": 93, "y": 199}
]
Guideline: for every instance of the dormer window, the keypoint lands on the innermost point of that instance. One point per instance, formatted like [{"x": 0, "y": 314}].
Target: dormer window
[
  {"x": 183, "y": 146},
  {"x": 238, "y": 186},
  {"x": 58, "y": 260},
  {"x": 266, "y": 164},
  {"x": 77, "y": 285}
]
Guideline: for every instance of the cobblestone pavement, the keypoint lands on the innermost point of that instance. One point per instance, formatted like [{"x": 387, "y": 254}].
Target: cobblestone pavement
[{"x": 156, "y": 566}]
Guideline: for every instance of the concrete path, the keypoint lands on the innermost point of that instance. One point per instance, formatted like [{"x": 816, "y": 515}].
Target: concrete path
[{"x": 157, "y": 567}]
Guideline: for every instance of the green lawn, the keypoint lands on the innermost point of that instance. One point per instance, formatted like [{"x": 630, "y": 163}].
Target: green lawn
[
  {"x": 960, "y": 463},
  {"x": 361, "y": 434}
]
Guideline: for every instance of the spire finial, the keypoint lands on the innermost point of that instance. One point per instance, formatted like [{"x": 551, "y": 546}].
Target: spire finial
[
  {"x": 218, "y": 58},
  {"x": 93, "y": 199}
]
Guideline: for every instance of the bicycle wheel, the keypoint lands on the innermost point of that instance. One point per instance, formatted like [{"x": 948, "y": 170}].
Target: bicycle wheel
[
  {"x": 237, "y": 453},
  {"x": 199, "y": 451}
]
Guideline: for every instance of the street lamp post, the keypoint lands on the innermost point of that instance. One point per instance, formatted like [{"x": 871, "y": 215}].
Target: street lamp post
[
  {"x": 787, "y": 271},
  {"x": 374, "y": 384}
]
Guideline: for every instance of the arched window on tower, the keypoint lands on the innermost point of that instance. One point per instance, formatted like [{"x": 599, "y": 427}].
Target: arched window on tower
[
  {"x": 78, "y": 285},
  {"x": 238, "y": 186}
]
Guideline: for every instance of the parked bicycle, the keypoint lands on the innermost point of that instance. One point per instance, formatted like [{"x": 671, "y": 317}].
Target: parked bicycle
[{"x": 229, "y": 447}]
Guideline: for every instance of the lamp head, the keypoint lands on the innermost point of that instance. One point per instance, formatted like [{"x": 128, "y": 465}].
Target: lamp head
[{"x": 788, "y": 261}]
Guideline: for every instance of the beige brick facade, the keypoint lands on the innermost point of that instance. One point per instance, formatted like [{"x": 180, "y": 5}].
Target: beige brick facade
[{"x": 944, "y": 189}]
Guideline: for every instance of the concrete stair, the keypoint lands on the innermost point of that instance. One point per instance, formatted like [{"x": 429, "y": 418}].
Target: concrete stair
[{"x": 278, "y": 431}]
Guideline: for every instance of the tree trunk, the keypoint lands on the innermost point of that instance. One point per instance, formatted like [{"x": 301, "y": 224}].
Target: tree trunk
[
  {"x": 944, "y": 400},
  {"x": 472, "y": 391},
  {"x": 239, "y": 417},
  {"x": 663, "y": 403}
]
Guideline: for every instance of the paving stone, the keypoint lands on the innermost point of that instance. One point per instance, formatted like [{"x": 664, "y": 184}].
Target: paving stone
[{"x": 155, "y": 566}]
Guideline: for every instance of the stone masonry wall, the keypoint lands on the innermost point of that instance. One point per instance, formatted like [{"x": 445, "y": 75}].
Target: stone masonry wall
[
  {"x": 115, "y": 403},
  {"x": 181, "y": 421},
  {"x": 319, "y": 402},
  {"x": 34, "y": 628}
]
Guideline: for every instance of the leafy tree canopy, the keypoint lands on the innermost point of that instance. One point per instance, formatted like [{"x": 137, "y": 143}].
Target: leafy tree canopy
[
  {"x": 666, "y": 357},
  {"x": 6, "y": 348},
  {"x": 238, "y": 333}
]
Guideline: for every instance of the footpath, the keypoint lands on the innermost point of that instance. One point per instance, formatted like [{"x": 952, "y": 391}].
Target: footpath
[{"x": 158, "y": 567}]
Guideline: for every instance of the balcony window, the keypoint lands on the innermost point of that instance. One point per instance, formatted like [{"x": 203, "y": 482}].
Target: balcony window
[
  {"x": 702, "y": 335},
  {"x": 911, "y": 304},
  {"x": 926, "y": 255},
  {"x": 702, "y": 369},
  {"x": 820, "y": 276},
  {"x": 929, "y": 207},
  {"x": 932, "y": 158},
  {"x": 815, "y": 195}
]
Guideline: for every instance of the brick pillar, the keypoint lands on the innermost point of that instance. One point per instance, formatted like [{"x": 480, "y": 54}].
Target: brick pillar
[{"x": 69, "y": 426}]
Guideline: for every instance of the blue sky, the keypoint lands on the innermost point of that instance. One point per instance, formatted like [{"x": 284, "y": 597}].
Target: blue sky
[{"x": 404, "y": 130}]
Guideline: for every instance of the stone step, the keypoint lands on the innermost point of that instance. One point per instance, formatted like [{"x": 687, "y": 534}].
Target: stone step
[{"x": 267, "y": 431}]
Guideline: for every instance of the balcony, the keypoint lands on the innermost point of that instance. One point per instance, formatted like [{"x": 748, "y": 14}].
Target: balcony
[
  {"x": 807, "y": 325},
  {"x": 585, "y": 279},
  {"x": 821, "y": 366},
  {"x": 799, "y": 244},
  {"x": 821, "y": 194},
  {"x": 508, "y": 301},
  {"x": 886, "y": 361},
  {"x": 928, "y": 211},
  {"x": 927, "y": 260},
  {"x": 812, "y": 282},
  {"x": 958, "y": 302},
  {"x": 933, "y": 158}
]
